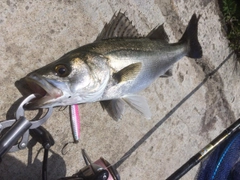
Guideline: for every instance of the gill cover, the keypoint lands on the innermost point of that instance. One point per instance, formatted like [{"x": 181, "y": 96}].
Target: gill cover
[{"x": 89, "y": 76}]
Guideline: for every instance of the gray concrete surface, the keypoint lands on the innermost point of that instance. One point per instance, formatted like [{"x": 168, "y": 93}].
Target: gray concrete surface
[{"x": 34, "y": 33}]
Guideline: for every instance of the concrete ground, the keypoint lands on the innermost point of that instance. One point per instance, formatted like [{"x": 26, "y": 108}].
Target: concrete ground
[{"x": 35, "y": 33}]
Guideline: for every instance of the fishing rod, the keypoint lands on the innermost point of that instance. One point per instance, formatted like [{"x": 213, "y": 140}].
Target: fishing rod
[{"x": 194, "y": 160}]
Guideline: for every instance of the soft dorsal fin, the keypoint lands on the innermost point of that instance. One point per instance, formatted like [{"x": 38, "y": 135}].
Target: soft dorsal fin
[
  {"x": 118, "y": 27},
  {"x": 158, "y": 33},
  {"x": 128, "y": 73}
]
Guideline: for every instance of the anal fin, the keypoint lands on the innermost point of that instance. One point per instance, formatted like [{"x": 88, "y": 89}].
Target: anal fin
[{"x": 168, "y": 73}]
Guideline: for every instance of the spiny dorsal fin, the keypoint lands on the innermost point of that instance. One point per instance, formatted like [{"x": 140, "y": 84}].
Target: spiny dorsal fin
[
  {"x": 118, "y": 27},
  {"x": 128, "y": 73},
  {"x": 158, "y": 33}
]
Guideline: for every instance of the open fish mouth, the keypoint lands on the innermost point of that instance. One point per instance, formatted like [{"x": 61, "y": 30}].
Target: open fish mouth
[{"x": 45, "y": 92}]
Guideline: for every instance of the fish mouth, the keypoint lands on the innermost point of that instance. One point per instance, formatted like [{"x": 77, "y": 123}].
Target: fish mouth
[{"x": 45, "y": 92}]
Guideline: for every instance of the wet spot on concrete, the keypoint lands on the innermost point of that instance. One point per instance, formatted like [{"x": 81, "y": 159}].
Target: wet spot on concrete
[
  {"x": 8, "y": 2},
  {"x": 14, "y": 50},
  {"x": 204, "y": 3},
  {"x": 216, "y": 102},
  {"x": 180, "y": 77}
]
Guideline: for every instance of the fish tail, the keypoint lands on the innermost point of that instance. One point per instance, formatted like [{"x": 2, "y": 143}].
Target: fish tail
[{"x": 190, "y": 37}]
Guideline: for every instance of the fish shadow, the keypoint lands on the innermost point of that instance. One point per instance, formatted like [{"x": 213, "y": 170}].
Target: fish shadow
[
  {"x": 23, "y": 88},
  {"x": 14, "y": 169}
]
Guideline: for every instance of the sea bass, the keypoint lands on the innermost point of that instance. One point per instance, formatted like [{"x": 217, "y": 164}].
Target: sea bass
[{"x": 112, "y": 69}]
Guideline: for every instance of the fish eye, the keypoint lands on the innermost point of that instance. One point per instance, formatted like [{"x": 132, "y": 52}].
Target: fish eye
[{"x": 61, "y": 70}]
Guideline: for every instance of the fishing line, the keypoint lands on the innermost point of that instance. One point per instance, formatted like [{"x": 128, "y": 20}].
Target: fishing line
[
  {"x": 38, "y": 153},
  {"x": 170, "y": 113},
  {"x": 62, "y": 108}
]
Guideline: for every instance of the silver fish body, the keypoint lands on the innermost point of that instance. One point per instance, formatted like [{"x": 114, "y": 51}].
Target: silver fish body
[
  {"x": 147, "y": 59},
  {"x": 113, "y": 68}
]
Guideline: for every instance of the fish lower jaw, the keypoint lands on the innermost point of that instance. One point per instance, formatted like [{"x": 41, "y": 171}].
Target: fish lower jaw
[{"x": 41, "y": 102}]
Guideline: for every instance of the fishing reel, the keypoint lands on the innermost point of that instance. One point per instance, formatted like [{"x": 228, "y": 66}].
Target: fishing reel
[{"x": 99, "y": 170}]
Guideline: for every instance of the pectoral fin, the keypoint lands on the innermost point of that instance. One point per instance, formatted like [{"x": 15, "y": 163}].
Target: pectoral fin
[
  {"x": 128, "y": 73},
  {"x": 114, "y": 108},
  {"x": 139, "y": 104}
]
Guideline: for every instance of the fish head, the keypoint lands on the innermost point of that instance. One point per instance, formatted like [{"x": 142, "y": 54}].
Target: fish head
[{"x": 72, "y": 79}]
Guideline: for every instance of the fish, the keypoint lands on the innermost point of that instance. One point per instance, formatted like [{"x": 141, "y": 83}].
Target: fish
[{"x": 113, "y": 69}]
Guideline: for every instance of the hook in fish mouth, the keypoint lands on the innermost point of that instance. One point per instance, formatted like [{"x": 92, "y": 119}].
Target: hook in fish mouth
[{"x": 45, "y": 91}]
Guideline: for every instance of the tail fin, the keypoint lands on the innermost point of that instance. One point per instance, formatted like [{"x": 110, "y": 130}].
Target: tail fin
[{"x": 190, "y": 37}]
